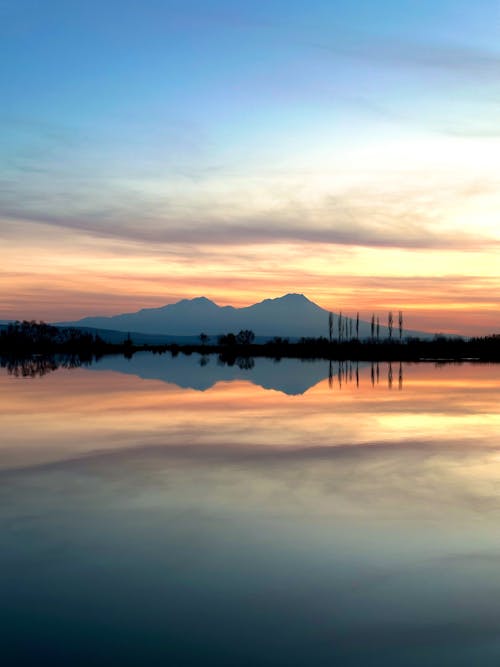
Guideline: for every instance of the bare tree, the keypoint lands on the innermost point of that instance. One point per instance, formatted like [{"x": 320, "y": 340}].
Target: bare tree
[
  {"x": 400, "y": 322},
  {"x": 373, "y": 326},
  {"x": 330, "y": 326},
  {"x": 390, "y": 322}
]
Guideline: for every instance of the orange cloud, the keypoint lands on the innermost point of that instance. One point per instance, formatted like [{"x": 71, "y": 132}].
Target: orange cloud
[{"x": 67, "y": 276}]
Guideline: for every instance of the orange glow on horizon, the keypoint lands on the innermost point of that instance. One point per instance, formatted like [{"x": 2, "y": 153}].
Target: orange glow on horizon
[{"x": 64, "y": 277}]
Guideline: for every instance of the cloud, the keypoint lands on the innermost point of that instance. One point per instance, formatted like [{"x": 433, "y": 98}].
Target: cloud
[
  {"x": 413, "y": 290},
  {"x": 353, "y": 220},
  {"x": 455, "y": 89},
  {"x": 455, "y": 58}
]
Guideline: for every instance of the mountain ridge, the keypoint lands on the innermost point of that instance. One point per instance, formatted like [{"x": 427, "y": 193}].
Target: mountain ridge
[{"x": 292, "y": 315}]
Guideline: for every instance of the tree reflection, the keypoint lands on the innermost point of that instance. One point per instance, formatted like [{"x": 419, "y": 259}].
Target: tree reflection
[{"x": 38, "y": 366}]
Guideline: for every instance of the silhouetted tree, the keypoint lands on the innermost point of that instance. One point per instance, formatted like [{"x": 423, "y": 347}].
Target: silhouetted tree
[
  {"x": 330, "y": 326},
  {"x": 278, "y": 340},
  {"x": 378, "y": 328},
  {"x": 373, "y": 326},
  {"x": 400, "y": 322},
  {"x": 340, "y": 326},
  {"x": 128, "y": 345},
  {"x": 390, "y": 322},
  {"x": 204, "y": 338},
  {"x": 245, "y": 337},
  {"x": 40, "y": 338},
  {"x": 227, "y": 339},
  {"x": 357, "y": 326}
]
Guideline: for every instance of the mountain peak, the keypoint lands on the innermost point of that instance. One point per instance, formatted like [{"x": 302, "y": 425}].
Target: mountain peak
[
  {"x": 200, "y": 300},
  {"x": 294, "y": 296},
  {"x": 197, "y": 301}
]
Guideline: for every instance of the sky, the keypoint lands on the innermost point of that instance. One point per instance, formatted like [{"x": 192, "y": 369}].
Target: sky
[{"x": 156, "y": 150}]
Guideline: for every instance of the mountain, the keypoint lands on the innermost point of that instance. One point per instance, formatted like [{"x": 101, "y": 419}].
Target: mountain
[{"x": 292, "y": 316}]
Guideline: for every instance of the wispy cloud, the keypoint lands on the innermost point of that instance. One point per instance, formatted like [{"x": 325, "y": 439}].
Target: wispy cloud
[
  {"x": 262, "y": 228},
  {"x": 449, "y": 57},
  {"x": 368, "y": 219}
]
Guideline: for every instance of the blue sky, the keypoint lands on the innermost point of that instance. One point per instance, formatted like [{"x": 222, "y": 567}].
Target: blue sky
[
  {"x": 203, "y": 82},
  {"x": 351, "y": 124}
]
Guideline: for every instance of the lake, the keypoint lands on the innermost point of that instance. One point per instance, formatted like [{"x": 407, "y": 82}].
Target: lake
[{"x": 175, "y": 511}]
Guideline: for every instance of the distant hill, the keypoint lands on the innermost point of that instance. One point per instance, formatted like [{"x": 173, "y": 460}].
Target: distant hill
[
  {"x": 116, "y": 337},
  {"x": 292, "y": 316}
]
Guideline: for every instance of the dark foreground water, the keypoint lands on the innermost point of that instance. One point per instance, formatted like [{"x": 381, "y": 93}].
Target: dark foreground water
[{"x": 174, "y": 512}]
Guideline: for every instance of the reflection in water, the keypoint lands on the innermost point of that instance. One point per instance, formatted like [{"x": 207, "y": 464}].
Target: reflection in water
[
  {"x": 184, "y": 370},
  {"x": 39, "y": 365},
  {"x": 146, "y": 522},
  {"x": 117, "y": 403}
]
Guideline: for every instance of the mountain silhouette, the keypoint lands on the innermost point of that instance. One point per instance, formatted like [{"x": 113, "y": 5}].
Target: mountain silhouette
[{"x": 291, "y": 315}]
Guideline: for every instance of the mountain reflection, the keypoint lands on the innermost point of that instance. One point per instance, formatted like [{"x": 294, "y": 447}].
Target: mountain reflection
[
  {"x": 292, "y": 377},
  {"x": 147, "y": 401}
]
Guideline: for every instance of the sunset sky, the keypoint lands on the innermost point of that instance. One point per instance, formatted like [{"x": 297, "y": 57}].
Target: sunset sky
[{"x": 160, "y": 149}]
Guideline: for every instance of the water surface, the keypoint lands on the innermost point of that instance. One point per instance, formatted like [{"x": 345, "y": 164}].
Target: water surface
[{"x": 174, "y": 511}]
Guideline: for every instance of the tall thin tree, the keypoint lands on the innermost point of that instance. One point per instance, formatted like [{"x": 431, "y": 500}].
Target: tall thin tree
[
  {"x": 330, "y": 326},
  {"x": 400, "y": 322},
  {"x": 357, "y": 326},
  {"x": 340, "y": 326},
  {"x": 390, "y": 323},
  {"x": 373, "y": 326},
  {"x": 378, "y": 328}
]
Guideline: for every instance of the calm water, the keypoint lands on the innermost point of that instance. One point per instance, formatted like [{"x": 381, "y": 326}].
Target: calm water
[{"x": 174, "y": 512}]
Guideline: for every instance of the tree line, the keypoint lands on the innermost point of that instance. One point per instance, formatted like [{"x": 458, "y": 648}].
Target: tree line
[
  {"x": 348, "y": 327},
  {"x": 31, "y": 337},
  {"x": 21, "y": 339}
]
